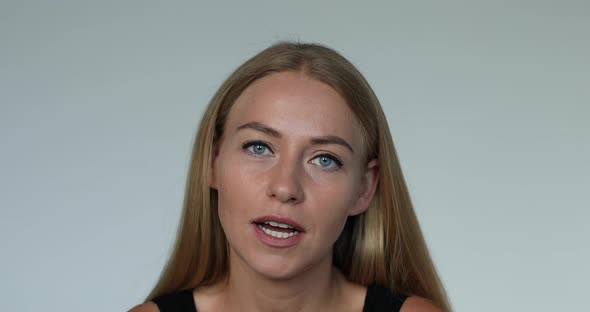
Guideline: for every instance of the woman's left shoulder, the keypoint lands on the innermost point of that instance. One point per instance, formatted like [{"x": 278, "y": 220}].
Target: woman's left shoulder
[{"x": 419, "y": 304}]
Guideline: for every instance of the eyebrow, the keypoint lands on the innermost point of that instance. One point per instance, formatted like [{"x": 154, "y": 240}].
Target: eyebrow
[{"x": 328, "y": 139}]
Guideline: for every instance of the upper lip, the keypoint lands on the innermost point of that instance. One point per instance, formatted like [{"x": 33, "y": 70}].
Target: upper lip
[{"x": 278, "y": 219}]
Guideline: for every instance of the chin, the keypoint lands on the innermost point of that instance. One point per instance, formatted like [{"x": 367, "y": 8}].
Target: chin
[{"x": 276, "y": 267}]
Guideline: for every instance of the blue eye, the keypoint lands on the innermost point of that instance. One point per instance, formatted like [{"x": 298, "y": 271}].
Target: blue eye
[
  {"x": 256, "y": 147},
  {"x": 328, "y": 162}
]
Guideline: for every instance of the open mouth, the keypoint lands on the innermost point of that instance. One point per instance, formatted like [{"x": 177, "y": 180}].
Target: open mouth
[{"x": 277, "y": 229}]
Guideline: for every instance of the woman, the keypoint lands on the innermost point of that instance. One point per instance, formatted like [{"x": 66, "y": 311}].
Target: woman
[{"x": 295, "y": 199}]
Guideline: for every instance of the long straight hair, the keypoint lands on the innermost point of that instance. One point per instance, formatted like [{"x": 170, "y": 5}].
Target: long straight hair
[{"x": 383, "y": 245}]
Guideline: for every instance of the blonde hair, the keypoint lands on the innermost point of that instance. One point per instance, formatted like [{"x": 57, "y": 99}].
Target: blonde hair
[{"x": 384, "y": 245}]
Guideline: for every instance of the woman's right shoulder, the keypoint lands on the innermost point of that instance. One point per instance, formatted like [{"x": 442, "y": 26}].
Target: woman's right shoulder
[{"x": 145, "y": 307}]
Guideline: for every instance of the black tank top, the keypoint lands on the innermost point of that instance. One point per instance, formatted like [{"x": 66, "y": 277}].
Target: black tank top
[{"x": 378, "y": 299}]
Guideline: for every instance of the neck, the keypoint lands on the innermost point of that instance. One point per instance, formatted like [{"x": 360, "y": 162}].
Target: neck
[{"x": 318, "y": 288}]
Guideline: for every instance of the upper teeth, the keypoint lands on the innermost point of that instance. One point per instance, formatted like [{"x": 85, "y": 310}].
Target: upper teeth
[{"x": 281, "y": 225}]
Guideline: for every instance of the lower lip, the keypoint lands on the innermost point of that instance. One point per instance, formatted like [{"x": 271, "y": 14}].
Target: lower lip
[{"x": 275, "y": 241}]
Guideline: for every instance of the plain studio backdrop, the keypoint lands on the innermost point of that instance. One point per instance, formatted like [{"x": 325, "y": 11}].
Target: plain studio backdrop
[{"x": 488, "y": 103}]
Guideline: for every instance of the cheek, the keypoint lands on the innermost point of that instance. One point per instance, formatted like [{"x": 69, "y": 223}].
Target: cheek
[
  {"x": 236, "y": 191},
  {"x": 332, "y": 206}
]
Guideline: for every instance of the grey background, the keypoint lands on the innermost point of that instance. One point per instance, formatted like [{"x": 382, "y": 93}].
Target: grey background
[{"x": 488, "y": 103}]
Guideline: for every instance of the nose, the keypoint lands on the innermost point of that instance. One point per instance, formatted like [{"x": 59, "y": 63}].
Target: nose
[{"x": 285, "y": 182}]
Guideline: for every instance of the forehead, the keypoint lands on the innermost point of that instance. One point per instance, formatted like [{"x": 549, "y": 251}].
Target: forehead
[{"x": 295, "y": 105}]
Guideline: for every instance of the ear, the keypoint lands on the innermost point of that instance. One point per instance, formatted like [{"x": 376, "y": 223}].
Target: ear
[
  {"x": 212, "y": 167},
  {"x": 367, "y": 188}
]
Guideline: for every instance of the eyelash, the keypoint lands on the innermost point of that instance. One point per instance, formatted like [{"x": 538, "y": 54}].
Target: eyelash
[{"x": 247, "y": 145}]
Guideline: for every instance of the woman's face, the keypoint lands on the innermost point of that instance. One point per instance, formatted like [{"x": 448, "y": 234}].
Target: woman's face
[{"x": 288, "y": 173}]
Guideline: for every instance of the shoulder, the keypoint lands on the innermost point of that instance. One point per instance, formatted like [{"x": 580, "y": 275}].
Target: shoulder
[
  {"x": 145, "y": 307},
  {"x": 419, "y": 304}
]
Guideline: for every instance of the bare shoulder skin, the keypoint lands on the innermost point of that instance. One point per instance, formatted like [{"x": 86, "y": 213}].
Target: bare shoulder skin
[{"x": 419, "y": 304}]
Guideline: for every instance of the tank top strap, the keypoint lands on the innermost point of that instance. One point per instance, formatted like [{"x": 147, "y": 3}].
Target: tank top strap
[
  {"x": 180, "y": 301},
  {"x": 382, "y": 299}
]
